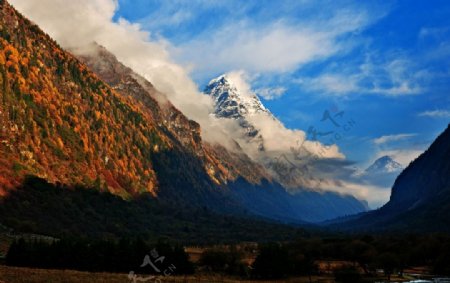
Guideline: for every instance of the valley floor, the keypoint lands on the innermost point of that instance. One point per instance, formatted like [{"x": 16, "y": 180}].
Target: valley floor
[{"x": 30, "y": 275}]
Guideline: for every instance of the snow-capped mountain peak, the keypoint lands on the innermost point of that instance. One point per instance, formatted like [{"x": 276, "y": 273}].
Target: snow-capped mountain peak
[
  {"x": 234, "y": 100},
  {"x": 231, "y": 100},
  {"x": 384, "y": 164}
]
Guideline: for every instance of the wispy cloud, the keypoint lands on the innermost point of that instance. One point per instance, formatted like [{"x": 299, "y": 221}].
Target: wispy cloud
[
  {"x": 274, "y": 48},
  {"x": 391, "y": 138},
  {"x": 396, "y": 77},
  {"x": 270, "y": 93},
  {"x": 435, "y": 32},
  {"x": 435, "y": 114},
  {"x": 403, "y": 147},
  {"x": 273, "y": 45},
  {"x": 375, "y": 195}
]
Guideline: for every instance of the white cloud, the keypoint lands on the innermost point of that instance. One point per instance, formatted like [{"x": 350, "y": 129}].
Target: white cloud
[
  {"x": 391, "y": 78},
  {"x": 286, "y": 148},
  {"x": 240, "y": 80},
  {"x": 391, "y": 138},
  {"x": 376, "y": 196},
  {"x": 330, "y": 83},
  {"x": 270, "y": 93},
  {"x": 436, "y": 114},
  {"x": 277, "y": 46},
  {"x": 436, "y": 32},
  {"x": 172, "y": 18}
]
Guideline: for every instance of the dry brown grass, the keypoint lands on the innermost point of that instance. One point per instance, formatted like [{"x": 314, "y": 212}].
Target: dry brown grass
[
  {"x": 30, "y": 275},
  {"x": 5, "y": 242}
]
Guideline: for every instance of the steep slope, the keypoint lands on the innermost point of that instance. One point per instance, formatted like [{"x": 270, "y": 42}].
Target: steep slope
[
  {"x": 425, "y": 178},
  {"x": 60, "y": 122},
  {"x": 420, "y": 196}
]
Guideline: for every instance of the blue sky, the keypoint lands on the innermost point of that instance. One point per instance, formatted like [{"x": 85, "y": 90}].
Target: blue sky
[{"x": 385, "y": 63}]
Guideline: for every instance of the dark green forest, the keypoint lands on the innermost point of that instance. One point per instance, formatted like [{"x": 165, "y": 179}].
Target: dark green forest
[
  {"x": 100, "y": 255},
  {"x": 61, "y": 211}
]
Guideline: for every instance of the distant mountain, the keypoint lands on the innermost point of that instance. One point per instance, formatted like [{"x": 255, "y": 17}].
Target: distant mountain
[
  {"x": 420, "y": 198},
  {"x": 384, "y": 164},
  {"x": 382, "y": 172}
]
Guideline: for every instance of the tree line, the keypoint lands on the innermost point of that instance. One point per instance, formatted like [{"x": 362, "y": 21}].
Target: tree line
[
  {"x": 122, "y": 256},
  {"x": 364, "y": 255}
]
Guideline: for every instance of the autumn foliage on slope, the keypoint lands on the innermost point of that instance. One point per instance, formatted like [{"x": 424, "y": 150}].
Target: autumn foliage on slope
[{"x": 60, "y": 122}]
